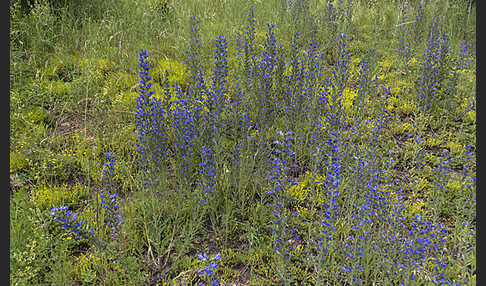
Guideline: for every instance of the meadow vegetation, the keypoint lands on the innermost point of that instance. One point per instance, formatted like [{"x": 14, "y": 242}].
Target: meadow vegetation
[{"x": 229, "y": 142}]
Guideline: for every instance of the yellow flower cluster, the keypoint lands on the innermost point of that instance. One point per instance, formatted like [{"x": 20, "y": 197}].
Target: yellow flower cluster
[
  {"x": 412, "y": 203},
  {"x": 308, "y": 187},
  {"x": 175, "y": 69},
  {"x": 18, "y": 161},
  {"x": 57, "y": 87},
  {"x": 45, "y": 197}
]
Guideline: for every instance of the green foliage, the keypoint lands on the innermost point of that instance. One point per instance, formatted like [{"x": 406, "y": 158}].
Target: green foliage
[
  {"x": 30, "y": 244},
  {"x": 18, "y": 162},
  {"x": 73, "y": 84},
  {"x": 27, "y": 264}
]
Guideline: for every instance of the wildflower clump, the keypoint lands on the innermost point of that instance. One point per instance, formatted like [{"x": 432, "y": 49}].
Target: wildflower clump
[
  {"x": 434, "y": 67},
  {"x": 328, "y": 149},
  {"x": 304, "y": 191},
  {"x": 335, "y": 115},
  {"x": 109, "y": 198},
  {"x": 206, "y": 274},
  {"x": 70, "y": 221}
]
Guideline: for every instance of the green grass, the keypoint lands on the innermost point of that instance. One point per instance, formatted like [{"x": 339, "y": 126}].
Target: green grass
[{"x": 73, "y": 84}]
